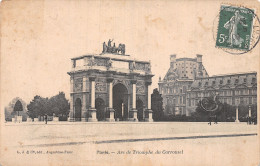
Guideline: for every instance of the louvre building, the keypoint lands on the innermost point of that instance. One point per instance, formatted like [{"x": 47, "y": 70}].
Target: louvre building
[{"x": 187, "y": 82}]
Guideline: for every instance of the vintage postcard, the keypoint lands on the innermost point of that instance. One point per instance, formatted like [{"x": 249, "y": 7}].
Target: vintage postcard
[{"x": 129, "y": 83}]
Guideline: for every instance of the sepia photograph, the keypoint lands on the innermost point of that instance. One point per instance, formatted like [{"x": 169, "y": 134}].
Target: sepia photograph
[{"x": 129, "y": 83}]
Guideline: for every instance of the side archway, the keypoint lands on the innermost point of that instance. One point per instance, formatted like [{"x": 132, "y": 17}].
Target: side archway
[
  {"x": 100, "y": 107},
  {"x": 78, "y": 106}
]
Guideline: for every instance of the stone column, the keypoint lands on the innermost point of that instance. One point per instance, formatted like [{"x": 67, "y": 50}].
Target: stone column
[
  {"x": 71, "y": 114},
  {"x": 110, "y": 98},
  {"x": 92, "y": 110},
  {"x": 149, "y": 112},
  {"x": 84, "y": 99},
  {"x": 133, "y": 111}
]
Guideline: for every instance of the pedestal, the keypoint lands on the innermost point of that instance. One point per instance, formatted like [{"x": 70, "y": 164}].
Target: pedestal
[
  {"x": 29, "y": 119},
  {"x": 55, "y": 119},
  {"x": 93, "y": 115},
  {"x": 111, "y": 115},
  {"x": 35, "y": 119},
  {"x": 148, "y": 115},
  {"x": 133, "y": 115},
  {"x": 19, "y": 119}
]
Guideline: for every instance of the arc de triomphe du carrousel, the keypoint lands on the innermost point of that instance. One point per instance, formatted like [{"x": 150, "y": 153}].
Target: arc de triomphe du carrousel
[{"x": 110, "y": 86}]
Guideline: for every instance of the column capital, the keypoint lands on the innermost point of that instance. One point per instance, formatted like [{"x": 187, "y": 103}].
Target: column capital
[
  {"x": 110, "y": 79},
  {"x": 92, "y": 78},
  {"x": 133, "y": 81},
  {"x": 148, "y": 83}
]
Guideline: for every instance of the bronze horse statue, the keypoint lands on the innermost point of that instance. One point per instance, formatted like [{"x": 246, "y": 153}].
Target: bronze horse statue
[{"x": 121, "y": 49}]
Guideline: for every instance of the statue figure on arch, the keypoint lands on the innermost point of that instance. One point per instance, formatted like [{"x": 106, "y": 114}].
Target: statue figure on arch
[
  {"x": 104, "y": 47},
  {"x": 109, "y": 42}
]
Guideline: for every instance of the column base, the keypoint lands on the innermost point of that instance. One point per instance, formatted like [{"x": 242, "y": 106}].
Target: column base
[
  {"x": 111, "y": 115},
  {"x": 110, "y": 120},
  {"x": 148, "y": 115},
  {"x": 84, "y": 119},
  {"x": 93, "y": 115},
  {"x": 92, "y": 120},
  {"x": 237, "y": 121},
  {"x": 72, "y": 119},
  {"x": 133, "y": 115}
]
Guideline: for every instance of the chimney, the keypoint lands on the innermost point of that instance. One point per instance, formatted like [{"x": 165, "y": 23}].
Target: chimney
[
  {"x": 172, "y": 60},
  {"x": 199, "y": 58}
]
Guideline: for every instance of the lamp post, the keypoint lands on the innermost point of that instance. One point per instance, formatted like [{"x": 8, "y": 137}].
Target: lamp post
[
  {"x": 237, "y": 121},
  {"x": 249, "y": 114}
]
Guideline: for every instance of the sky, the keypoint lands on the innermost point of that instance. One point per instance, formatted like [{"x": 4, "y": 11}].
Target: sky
[{"x": 38, "y": 38}]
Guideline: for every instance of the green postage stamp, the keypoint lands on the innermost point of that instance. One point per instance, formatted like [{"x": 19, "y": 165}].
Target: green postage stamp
[{"x": 235, "y": 28}]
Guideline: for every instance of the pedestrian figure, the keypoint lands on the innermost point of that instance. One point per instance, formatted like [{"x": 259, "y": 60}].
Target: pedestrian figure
[
  {"x": 209, "y": 120},
  {"x": 216, "y": 120},
  {"x": 46, "y": 119}
]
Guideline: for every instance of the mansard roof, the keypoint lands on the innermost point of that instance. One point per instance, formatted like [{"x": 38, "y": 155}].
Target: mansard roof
[{"x": 239, "y": 80}]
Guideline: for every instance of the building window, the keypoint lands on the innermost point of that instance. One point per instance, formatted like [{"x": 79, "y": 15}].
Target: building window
[
  {"x": 206, "y": 83},
  {"x": 221, "y": 81},
  {"x": 228, "y": 81},
  {"x": 199, "y": 83},
  {"x": 225, "y": 93},
  {"x": 241, "y": 100},
  {"x": 245, "y": 80},
  {"x": 213, "y": 82},
  {"x": 236, "y": 81}
]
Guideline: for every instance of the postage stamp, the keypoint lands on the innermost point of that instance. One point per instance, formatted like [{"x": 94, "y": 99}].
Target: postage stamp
[{"x": 235, "y": 28}]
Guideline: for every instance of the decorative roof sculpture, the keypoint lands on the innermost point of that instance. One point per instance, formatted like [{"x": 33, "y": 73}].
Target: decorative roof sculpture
[{"x": 108, "y": 48}]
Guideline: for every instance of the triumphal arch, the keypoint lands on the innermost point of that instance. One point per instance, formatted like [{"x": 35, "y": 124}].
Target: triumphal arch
[{"x": 110, "y": 86}]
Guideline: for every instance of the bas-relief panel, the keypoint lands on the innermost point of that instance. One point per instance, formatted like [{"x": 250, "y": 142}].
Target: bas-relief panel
[
  {"x": 140, "y": 87},
  {"x": 78, "y": 85},
  {"x": 101, "y": 85}
]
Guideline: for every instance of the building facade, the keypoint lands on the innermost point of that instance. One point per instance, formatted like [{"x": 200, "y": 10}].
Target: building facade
[
  {"x": 187, "y": 82},
  {"x": 233, "y": 89},
  {"x": 110, "y": 86}
]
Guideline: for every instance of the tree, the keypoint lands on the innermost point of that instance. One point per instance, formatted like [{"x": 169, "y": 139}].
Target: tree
[
  {"x": 59, "y": 105},
  {"x": 18, "y": 107},
  {"x": 37, "y": 107},
  {"x": 157, "y": 105}
]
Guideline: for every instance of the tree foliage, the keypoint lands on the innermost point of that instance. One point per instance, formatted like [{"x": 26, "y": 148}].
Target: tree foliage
[
  {"x": 40, "y": 106},
  {"x": 225, "y": 112},
  {"x": 157, "y": 105}
]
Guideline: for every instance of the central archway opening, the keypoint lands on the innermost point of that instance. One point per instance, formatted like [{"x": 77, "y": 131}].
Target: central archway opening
[
  {"x": 120, "y": 101},
  {"x": 78, "y": 106}
]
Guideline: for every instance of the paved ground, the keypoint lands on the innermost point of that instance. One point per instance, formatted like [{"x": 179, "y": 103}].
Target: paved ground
[{"x": 195, "y": 143}]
